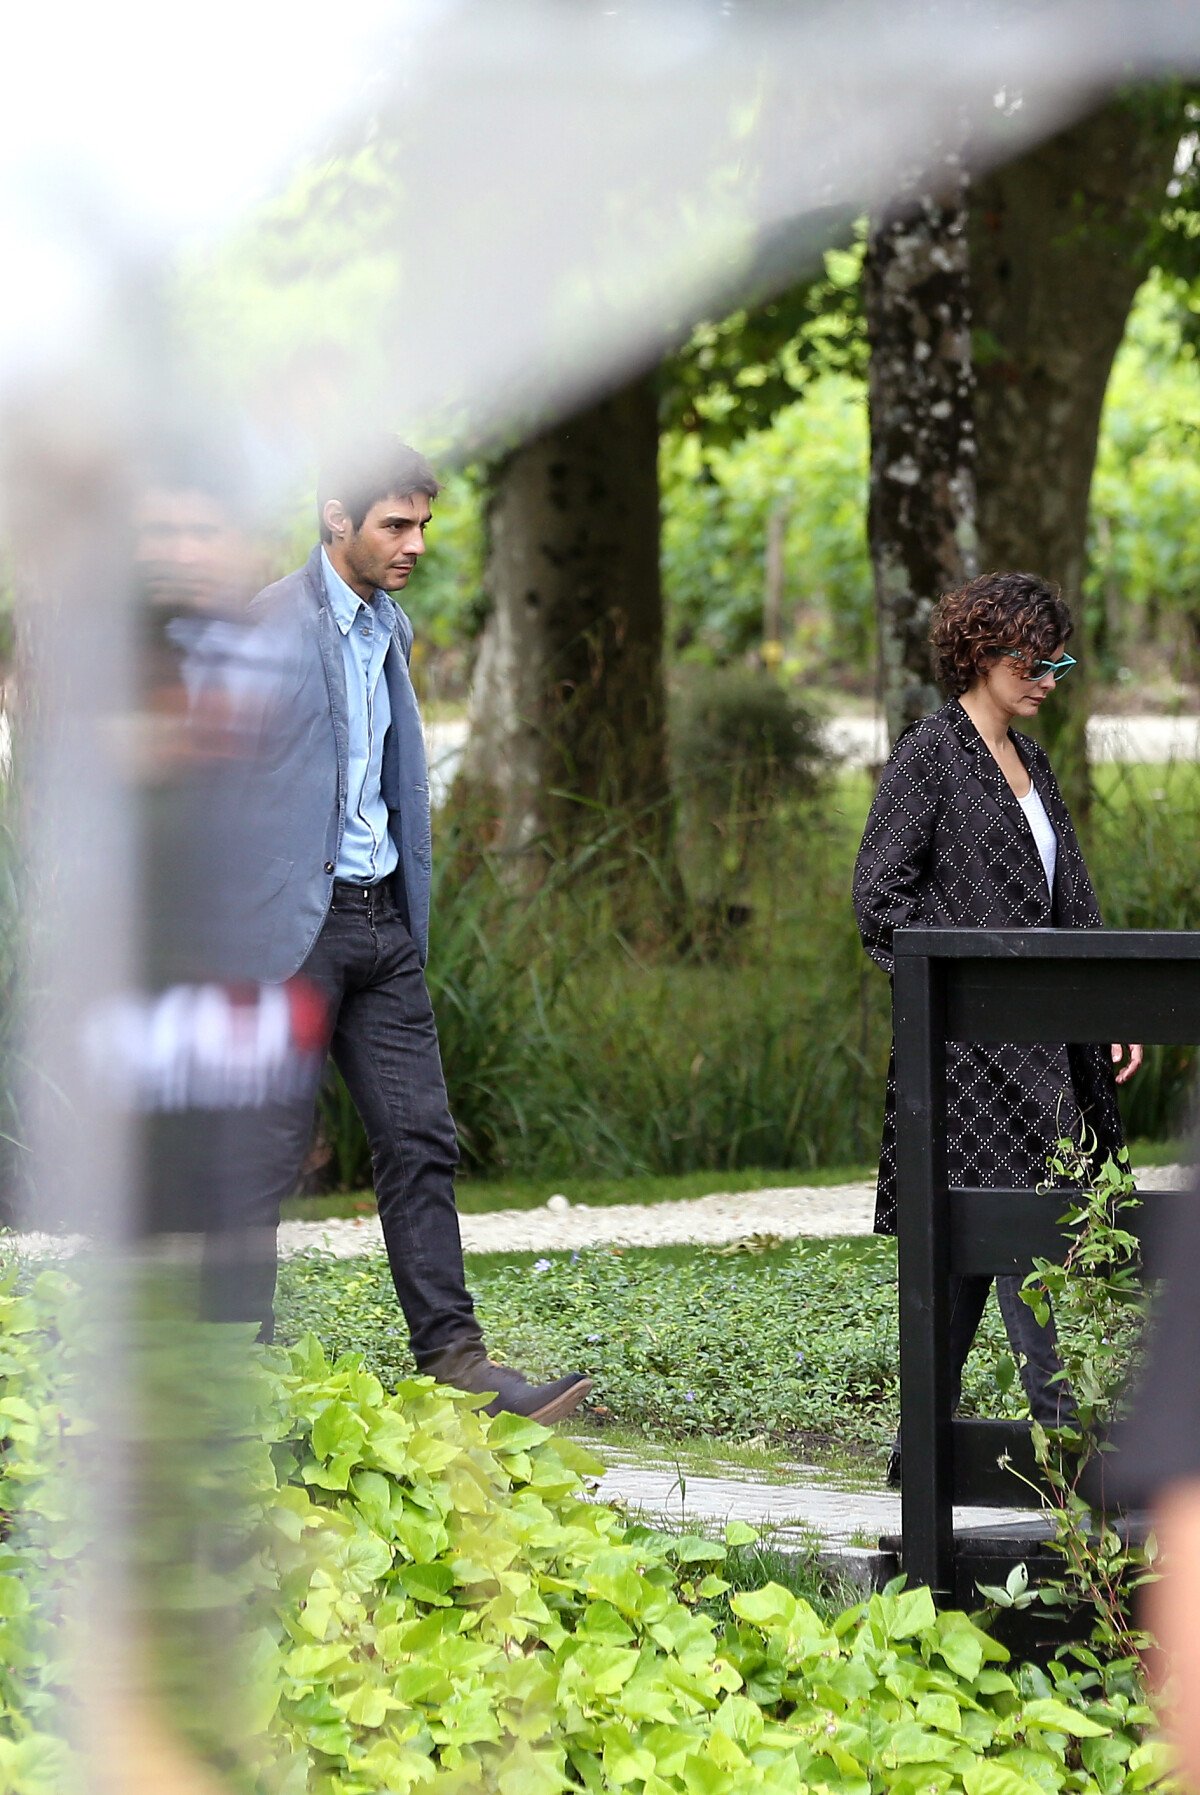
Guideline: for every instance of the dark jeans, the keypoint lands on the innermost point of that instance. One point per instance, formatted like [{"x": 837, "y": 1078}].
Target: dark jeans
[
  {"x": 383, "y": 1039},
  {"x": 1035, "y": 1348}
]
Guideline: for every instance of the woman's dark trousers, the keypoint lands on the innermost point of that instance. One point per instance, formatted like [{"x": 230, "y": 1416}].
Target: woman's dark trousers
[{"x": 1035, "y": 1347}]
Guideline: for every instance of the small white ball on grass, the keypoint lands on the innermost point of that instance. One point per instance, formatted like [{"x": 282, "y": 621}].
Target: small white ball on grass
[{"x": 557, "y": 1202}]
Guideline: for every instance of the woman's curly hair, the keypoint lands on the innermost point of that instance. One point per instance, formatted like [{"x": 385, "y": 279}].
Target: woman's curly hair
[{"x": 996, "y": 611}]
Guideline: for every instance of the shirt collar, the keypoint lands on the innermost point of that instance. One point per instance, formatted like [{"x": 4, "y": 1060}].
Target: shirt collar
[{"x": 345, "y": 603}]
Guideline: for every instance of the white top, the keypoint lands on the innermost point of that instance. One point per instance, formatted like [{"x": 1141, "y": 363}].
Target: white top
[{"x": 1043, "y": 832}]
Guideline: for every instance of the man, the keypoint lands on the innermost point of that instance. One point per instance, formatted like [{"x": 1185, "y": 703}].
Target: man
[{"x": 337, "y": 899}]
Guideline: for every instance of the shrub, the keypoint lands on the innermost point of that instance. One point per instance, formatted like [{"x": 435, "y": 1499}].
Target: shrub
[
  {"x": 745, "y": 751},
  {"x": 1143, "y": 847},
  {"x": 427, "y": 1601},
  {"x": 741, "y": 740}
]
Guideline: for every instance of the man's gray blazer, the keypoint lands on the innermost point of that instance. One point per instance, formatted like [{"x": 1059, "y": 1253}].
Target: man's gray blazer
[{"x": 290, "y": 828}]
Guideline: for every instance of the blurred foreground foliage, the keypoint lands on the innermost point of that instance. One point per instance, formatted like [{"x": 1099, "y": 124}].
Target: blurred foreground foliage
[{"x": 410, "y": 1597}]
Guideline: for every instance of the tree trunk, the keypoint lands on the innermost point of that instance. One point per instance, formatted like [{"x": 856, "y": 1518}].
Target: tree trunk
[
  {"x": 921, "y": 519},
  {"x": 568, "y": 704},
  {"x": 1057, "y": 254}
]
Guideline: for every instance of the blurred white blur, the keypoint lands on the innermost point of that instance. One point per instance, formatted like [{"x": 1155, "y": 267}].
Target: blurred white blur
[{"x": 530, "y": 198}]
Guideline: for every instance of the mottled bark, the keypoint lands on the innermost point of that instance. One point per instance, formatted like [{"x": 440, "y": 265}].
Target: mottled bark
[
  {"x": 921, "y": 517},
  {"x": 1057, "y": 254},
  {"x": 568, "y": 706}
]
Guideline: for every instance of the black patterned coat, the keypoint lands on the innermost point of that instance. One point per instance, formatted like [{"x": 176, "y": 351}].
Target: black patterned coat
[{"x": 947, "y": 846}]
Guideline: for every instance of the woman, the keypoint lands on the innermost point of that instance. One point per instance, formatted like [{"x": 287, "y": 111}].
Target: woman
[{"x": 969, "y": 830}]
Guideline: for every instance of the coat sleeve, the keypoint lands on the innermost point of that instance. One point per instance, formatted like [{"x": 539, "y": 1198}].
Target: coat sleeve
[{"x": 896, "y": 845}]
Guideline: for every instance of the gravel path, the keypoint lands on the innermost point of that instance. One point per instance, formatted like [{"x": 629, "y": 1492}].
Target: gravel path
[
  {"x": 788, "y": 1212},
  {"x": 709, "y": 1221},
  {"x": 559, "y": 1226}
]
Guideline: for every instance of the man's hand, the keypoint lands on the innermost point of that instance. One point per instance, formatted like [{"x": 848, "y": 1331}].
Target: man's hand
[{"x": 1135, "y": 1059}]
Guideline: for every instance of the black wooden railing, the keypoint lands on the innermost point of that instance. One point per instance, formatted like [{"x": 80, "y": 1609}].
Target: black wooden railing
[{"x": 997, "y": 985}]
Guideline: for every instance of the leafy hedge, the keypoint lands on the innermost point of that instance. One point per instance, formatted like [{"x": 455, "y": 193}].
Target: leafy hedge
[{"x": 429, "y": 1601}]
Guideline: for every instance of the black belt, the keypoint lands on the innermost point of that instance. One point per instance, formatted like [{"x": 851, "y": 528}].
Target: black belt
[{"x": 346, "y": 892}]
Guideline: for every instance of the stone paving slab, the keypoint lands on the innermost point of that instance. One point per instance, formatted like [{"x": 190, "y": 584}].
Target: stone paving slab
[{"x": 808, "y": 1509}]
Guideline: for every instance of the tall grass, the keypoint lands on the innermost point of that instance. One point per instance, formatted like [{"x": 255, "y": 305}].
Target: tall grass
[
  {"x": 1143, "y": 846},
  {"x": 572, "y": 1048}
]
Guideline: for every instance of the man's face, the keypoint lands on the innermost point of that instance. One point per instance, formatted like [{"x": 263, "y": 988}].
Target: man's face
[
  {"x": 383, "y": 551},
  {"x": 189, "y": 557}
]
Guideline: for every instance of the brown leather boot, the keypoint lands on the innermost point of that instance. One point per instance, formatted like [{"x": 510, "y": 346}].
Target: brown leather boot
[{"x": 467, "y": 1366}]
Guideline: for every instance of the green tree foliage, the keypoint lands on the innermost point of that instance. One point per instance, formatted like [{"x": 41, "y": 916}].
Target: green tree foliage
[
  {"x": 1173, "y": 239},
  {"x": 735, "y": 374},
  {"x": 812, "y": 464},
  {"x": 810, "y": 460},
  {"x": 1144, "y": 583},
  {"x": 445, "y": 599}
]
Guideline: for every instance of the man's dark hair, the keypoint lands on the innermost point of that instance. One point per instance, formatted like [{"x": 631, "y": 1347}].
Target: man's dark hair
[{"x": 359, "y": 477}]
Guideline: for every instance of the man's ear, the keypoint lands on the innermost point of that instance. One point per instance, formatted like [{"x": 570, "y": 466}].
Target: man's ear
[{"x": 333, "y": 516}]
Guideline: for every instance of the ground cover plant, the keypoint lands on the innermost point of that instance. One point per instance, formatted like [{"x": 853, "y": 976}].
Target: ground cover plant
[
  {"x": 783, "y": 1341},
  {"x": 428, "y": 1602}
]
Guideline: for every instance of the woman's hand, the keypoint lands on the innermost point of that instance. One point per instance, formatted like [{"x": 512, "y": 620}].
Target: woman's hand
[{"x": 1135, "y": 1059}]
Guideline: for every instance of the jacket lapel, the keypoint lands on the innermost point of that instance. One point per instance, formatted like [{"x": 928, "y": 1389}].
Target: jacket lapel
[
  {"x": 990, "y": 774},
  {"x": 406, "y": 716},
  {"x": 985, "y": 766},
  {"x": 330, "y": 644}
]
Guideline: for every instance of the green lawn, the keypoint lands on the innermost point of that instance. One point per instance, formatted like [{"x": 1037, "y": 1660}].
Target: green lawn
[{"x": 793, "y": 1349}]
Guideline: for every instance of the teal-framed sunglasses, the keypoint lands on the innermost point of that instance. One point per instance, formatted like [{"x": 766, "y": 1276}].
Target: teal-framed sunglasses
[{"x": 1040, "y": 669}]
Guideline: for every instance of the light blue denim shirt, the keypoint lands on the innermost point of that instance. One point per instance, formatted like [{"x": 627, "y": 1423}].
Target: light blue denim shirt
[{"x": 368, "y": 852}]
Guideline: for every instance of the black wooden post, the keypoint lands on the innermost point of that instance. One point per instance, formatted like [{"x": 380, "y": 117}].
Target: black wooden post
[
  {"x": 919, "y": 1015},
  {"x": 996, "y": 985}
]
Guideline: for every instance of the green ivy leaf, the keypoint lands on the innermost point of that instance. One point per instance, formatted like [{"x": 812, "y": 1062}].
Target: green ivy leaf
[
  {"x": 997, "y": 1779},
  {"x": 1057, "y": 1717},
  {"x": 768, "y": 1607}
]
